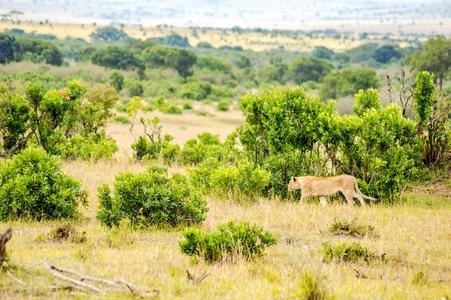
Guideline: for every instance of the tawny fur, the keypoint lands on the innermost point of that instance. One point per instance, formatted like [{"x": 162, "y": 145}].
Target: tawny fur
[{"x": 327, "y": 186}]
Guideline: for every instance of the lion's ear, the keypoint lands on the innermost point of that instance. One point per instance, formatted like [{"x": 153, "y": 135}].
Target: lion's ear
[{"x": 294, "y": 179}]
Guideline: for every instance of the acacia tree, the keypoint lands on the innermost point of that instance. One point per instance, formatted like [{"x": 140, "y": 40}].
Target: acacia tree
[{"x": 434, "y": 57}]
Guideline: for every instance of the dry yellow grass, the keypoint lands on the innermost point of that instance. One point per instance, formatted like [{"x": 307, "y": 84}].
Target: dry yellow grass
[
  {"x": 217, "y": 37},
  {"x": 413, "y": 237}
]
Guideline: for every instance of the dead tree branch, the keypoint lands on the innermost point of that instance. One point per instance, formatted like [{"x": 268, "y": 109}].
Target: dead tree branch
[{"x": 4, "y": 238}]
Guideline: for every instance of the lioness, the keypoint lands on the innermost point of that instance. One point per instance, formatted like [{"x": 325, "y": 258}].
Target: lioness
[{"x": 326, "y": 186}]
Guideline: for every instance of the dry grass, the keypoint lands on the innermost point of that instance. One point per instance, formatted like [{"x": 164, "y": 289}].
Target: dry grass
[
  {"x": 252, "y": 40},
  {"x": 415, "y": 238}
]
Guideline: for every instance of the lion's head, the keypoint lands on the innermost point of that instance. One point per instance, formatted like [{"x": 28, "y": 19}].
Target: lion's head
[{"x": 295, "y": 183}]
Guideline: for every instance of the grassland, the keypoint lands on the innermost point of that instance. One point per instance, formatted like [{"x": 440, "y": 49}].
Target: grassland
[
  {"x": 216, "y": 37},
  {"x": 414, "y": 236}
]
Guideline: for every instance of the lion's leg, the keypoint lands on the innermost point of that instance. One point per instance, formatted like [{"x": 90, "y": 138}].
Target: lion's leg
[
  {"x": 349, "y": 199},
  {"x": 360, "y": 198},
  {"x": 323, "y": 201},
  {"x": 302, "y": 201}
]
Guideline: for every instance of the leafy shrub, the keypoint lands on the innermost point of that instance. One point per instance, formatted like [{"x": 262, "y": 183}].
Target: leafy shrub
[
  {"x": 351, "y": 228},
  {"x": 135, "y": 88},
  {"x": 196, "y": 90},
  {"x": 151, "y": 198},
  {"x": 223, "y": 105},
  {"x": 229, "y": 242},
  {"x": 348, "y": 82},
  {"x": 366, "y": 99},
  {"x": 89, "y": 147},
  {"x": 117, "y": 81},
  {"x": 310, "y": 288},
  {"x": 243, "y": 181},
  {"x": 173, "y": 109},
  {"x": 122, "y": 120},
  {"x": 152, "y": 145},
  {"x": 52, "y": 118},
  {"x": 187, "y": 106},
  {"x": 197, "y": 150},
  {"x": 345, "y": 252},
  {"x": 33, "y": 187}
]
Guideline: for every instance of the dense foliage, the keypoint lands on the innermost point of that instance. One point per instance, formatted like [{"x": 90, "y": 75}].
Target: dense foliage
[
  {"x": 33, "y": 187},
  {"x": 229, "y": 242},
  {"x": 289, "y": 134},
  {"x": 151, "y": 198},
  {"x": 58, "y": 120}
]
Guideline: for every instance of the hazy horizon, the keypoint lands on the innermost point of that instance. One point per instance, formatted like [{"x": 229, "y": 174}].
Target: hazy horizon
[{"x": 285, "y": 14}]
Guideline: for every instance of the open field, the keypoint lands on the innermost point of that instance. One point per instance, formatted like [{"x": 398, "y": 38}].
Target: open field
[
  {"x": 217, "y": 37},
  {"x": 415, "y": 236}
]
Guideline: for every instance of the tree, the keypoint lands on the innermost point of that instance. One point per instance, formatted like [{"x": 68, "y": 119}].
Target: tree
[
  {"x": 174, "y": 40},
  {"x": 347, "y": 82},
  {"x": 323, "y": 52},
  {"x": 117, "y": 58},
  {"x": 435, "y": 57},
  {"x": 182, "y": 61},
  {"x": 110, "y": 34},
  {"x": 7, "y": 46},
  {"x": 386, "y": 53},
  {"x": 309, "y": 68},
  {"x": 275, "y": 71},
  {"x": 117, "y": 81}
]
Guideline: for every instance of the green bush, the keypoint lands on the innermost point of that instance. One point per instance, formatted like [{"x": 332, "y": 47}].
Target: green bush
[
  {"x": 196, "y": 90},
  {"x": 33, "y": 187},
  {"x": 89, "y": 147},
  {"x": 122, "y": 120},
  {"x": 187, "y": 106},
  {"x": 228, "y": 243},
  {"x": 152, "y": 145},
  {"x": 345, "y": 252},
  {"x": 135, "y": 88},
  {"x": 175, "y": 110},
  {"x": 366, "y": 99},
  {"x": 351, "y": 228},
  {"x": 243, "y": 181},
  {"x": 223, "y": 105},
  {"x": 151, "y": 198},
  {"x": 197, "y": 150},
  {"x": 52, "y": 118}
]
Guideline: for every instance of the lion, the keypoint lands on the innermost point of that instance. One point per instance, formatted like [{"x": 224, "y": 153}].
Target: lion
[{"x": 327, "y": 186}]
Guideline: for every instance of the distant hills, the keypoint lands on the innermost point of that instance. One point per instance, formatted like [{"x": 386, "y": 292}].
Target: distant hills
[{"x": 287, "y": 14}]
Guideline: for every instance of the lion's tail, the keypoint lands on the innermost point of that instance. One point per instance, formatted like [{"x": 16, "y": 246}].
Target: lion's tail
[{"x": 364, "y": 196}]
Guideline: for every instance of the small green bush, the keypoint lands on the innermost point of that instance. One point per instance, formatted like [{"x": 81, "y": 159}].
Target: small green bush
[
  {"x": 351, "y": 228},
  {"x": 33, "y": 187},
  {"x": 135, "y": 88},
  {"x": 89, "y": 147},
  {"x": 151, "y": 198},
  {"x": 345, "y": 252},
  {"x": 223, "y": 105},
  {"x": 152, "y": 146},
  {"x": 245, "y": 181},
  {"x": 229, "y": 242},
  {"x": 175, "y": 110},
  {"x": 196, "y": 90},
  {"x": 187, "y": 106},
  {"x": 122, "y": 120}
]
